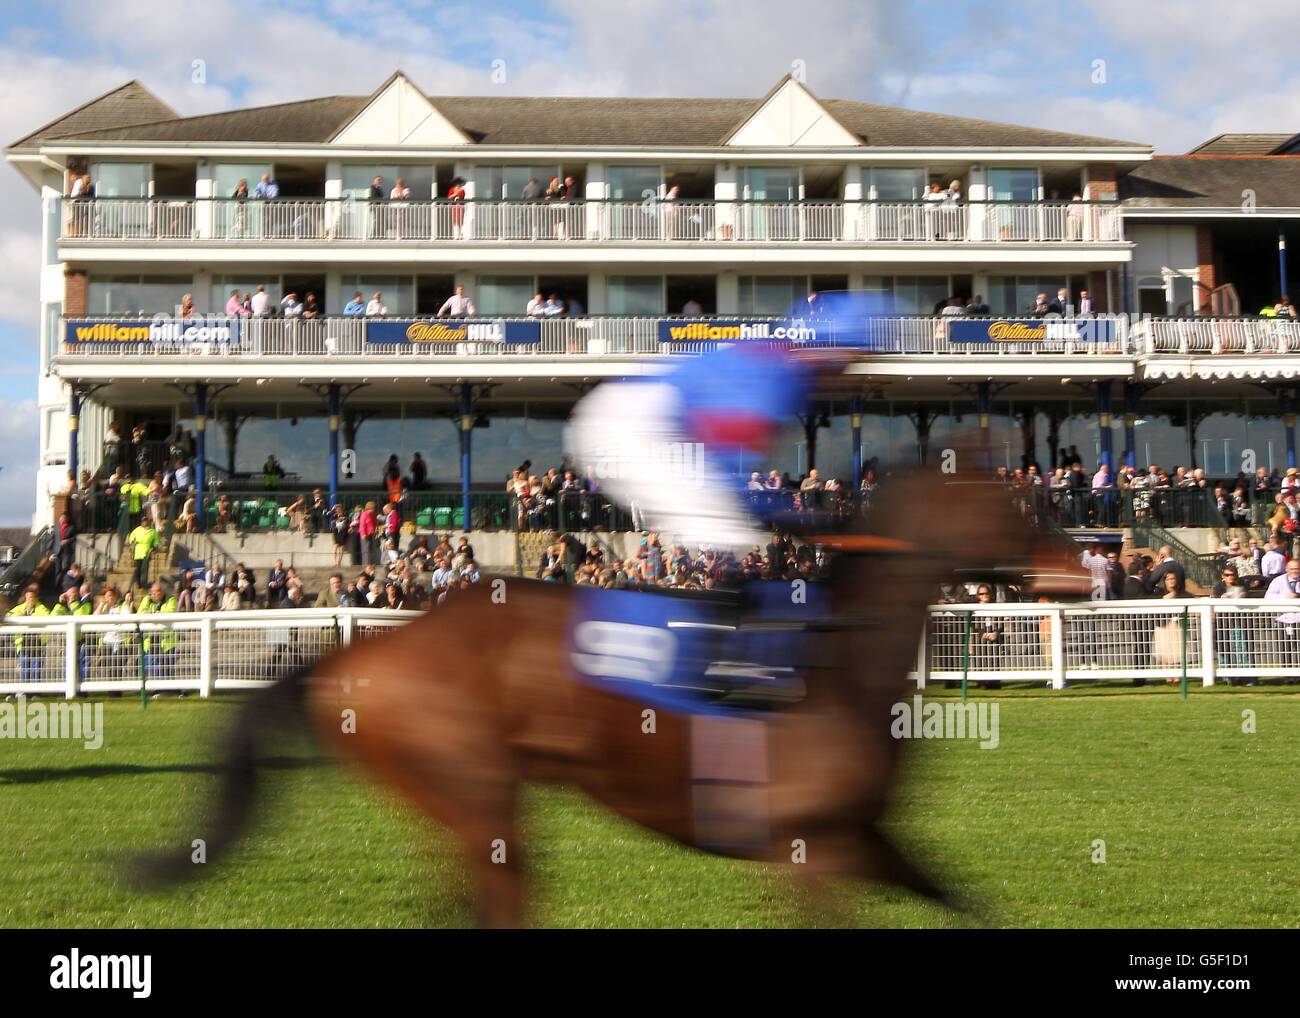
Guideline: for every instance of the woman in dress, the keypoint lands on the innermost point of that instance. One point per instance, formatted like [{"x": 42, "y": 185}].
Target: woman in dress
[
  {"x": 1167, "y": 640},
  {"x": 456, "y": 195},
  {"x": 339, "y": 528},
  {"x": 1230, "y": 627}
]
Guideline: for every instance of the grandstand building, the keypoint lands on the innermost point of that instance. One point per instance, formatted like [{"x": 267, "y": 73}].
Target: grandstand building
[{"x": 679, "y": 222}]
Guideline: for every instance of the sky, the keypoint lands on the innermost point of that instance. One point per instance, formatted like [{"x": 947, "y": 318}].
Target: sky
[{"x": 1171, "y": 75}]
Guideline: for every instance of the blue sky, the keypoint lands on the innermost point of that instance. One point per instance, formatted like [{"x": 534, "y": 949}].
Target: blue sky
[{"x": 1170, "y": 74}]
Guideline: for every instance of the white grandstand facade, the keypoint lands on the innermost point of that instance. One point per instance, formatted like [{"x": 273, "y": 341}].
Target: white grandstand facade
[{"x": 681, "y": 221}]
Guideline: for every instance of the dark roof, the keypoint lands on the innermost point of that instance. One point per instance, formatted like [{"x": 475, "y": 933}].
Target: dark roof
[
  {"x": 131, "y": 103},
  {"x": 15, "y": 537},
  {"x": 1241, "y": 145},
  {"x": 567, "y": 121},
  {"x": 1217, "y": 181},
  {"x": 309, "y": 121}
]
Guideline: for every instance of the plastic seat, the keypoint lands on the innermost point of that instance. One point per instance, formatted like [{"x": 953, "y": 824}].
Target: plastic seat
[
  {"x": 441, "y": 516},
  {"x": 424, "y": 518}
]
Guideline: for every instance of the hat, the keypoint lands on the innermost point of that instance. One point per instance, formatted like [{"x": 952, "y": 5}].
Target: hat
[{"x": 1292, "y": 471}]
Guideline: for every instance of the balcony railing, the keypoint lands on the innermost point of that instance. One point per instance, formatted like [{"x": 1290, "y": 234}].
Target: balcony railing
[
  {"x": 358, "y": 221},
  {"x": 1204, "y": 335},
  {"x": 593, "y": 336}
]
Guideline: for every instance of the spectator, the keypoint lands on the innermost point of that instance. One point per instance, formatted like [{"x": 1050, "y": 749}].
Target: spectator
[
  {"x": 354, "y": 308},
  {"x": 376, "y": 308},
  {"x": 1165, "y": 567},
  {"x": 457, "y": 305},
  {"x": 261, "y": 303}
]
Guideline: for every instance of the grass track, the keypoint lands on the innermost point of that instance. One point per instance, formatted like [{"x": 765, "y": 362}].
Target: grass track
[{"x": 1197, "y": 819}]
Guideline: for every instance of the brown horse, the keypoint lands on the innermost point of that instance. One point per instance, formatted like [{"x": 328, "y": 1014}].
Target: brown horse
[{"x": 458, "y": 708}]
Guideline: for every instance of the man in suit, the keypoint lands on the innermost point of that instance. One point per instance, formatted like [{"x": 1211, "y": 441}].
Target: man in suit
[
  {"x": 1156, "y": 581},
  {"x": 275, "y": 585},
  {"x": 63, "y": 544},
  {"x": 1060, "y": 305},
  {"x": 1085, "y": 303}
]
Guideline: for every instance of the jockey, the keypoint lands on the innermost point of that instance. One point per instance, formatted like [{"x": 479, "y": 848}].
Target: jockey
[{"x": 670, "y": 446}]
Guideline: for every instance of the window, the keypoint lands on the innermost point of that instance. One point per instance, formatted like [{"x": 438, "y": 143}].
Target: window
[
  {"x": 121, "y": 180},
  {"x": 770, "y": 295},
  {"x": 770, "y": 183},
  {"x": 222, "y": 285},
  {"x": 502, "y": 295},
  {"x": 893, "y": 183},
  {"x": 398, "y": 293},
  {"x": 226, "y": 177},
  {"x": 636, "y": 295},
  {"x": 508, "y": 182},
  {"x": 918, "y": 295},
  {"x": 52, "y": 334},
  {"x": 1015, "y": 295},
  {"x": 417, "y": 176},
  {"x": 629, "y": 183},
  {"x": 145, "y": 295},
  {"x": 1014, "y": 184}
]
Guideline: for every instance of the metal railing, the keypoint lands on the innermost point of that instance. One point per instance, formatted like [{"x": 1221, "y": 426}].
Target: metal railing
[
  {"x": 1187, "y": 336},
  {"x": 361, "y": 221},
  {"x": 1205, "y": 640},
  {"x": 588, "y": 336},
  {"x": 21, "y": 569}
]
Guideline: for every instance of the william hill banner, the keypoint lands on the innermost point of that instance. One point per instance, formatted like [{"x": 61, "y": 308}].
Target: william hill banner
[
  {"x": 158, "y": 332},
  {"x": 455, "y": 330},
  {"x": 736, "y": 330},
  {"x": 1031, "y": 330}
]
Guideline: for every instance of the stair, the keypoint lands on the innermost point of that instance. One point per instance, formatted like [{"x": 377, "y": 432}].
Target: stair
[{"x": 160, "y": 565}]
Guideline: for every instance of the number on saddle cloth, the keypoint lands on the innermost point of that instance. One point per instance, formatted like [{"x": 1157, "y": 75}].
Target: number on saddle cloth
[{"x": 673, "y": 653}]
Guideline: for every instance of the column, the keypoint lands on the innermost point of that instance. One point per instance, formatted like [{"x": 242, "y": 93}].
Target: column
[
  {"x": 334, "y": 409},
  {"x": 1131, "y": 396},
  {"x": 74, "y": 433},
  {"x": 856, "y": 420},
  {"x": 1104, "y": 422},
  {"x": 1288, "y": 420},
  {"x": 466, "y": 431},
  {"x": 984, "y": 407},
  {"x": 200, "y": 450}
]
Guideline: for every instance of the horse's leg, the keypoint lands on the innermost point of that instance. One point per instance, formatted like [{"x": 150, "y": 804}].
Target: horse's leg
[
  {"x": 880, "y": 859},
  {"x": 485, "y": 822}
]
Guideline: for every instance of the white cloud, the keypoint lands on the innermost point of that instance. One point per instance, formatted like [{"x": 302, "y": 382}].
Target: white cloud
[{"x": 19, "y": 438}]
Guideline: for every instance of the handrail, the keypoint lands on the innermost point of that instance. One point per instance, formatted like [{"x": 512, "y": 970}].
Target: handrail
[
  {"x": 1240, "y": 640},
  {"x": 21, "y": 569}
]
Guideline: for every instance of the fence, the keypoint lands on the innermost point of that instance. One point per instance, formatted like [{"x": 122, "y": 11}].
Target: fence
[
  {"x": 1195, "y": 640},
  {"x": 754, "y": 221}
]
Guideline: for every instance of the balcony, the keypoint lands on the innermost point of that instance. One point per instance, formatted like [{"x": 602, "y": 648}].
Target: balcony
[
  {"x": 409, "y": 339},
  {"x": 376, "y": 224}
]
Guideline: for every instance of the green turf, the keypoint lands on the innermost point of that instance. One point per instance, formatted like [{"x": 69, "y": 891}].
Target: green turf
[{"x": 1197, "y": 818}]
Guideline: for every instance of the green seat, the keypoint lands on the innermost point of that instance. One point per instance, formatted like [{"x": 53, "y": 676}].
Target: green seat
[
  {"x": 282, "y": 522},
  {"x": 424, "y": 518},
  {"x": 458, "y": 517},
  {"x": 266, "y": 519},
  {"x": 442, "y": 516}
]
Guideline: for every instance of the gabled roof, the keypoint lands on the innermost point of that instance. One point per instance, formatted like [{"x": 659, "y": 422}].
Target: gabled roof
[
  {"x": 398, "y": 113},
  {"x": 1213, "y": 181},
  {"x": 1241, "y": 145},
  {"x": 127, "y": 104},
  {"x": 789, "y": 115},
  {"x": 569, "y": 122}
]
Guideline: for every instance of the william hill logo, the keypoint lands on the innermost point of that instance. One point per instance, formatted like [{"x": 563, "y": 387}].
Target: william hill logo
[
  {"x": 436, "y": 332},
  {"x": 1017, "y": 331}
]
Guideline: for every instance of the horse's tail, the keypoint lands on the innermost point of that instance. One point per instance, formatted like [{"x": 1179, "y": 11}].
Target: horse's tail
[{"x": 269, "y": 713}]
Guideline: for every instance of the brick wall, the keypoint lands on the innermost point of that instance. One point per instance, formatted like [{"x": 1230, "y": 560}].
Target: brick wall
[
  {"x": 1100, "y": 183},
  {"x": 74, "y": 292},
  {"x": 1206, "y": 270}
]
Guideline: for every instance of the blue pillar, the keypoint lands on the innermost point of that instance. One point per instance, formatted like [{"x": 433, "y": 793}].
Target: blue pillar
[
  {"x": 1281, "y": 262},
  {"x": 74, "y": 433},
  {"x": 1288, "y": 419},
  {"x": 333, "y": 407},
  {"x": 1131, "y": 397},
  {"x": 855, "y": 408},
  {"x": 466, "y": 430},
  {"x": 200, "y": 450},
  {"x": 1104, "y": 422}
]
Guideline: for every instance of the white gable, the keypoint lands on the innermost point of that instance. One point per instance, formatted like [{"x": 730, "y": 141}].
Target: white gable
[
  {"x": 792, "y": 118},
  {"x": 400, "y": 115}
]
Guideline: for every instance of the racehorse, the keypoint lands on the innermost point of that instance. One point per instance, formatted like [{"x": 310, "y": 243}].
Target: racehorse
[{"x": 459, "y": 707}]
